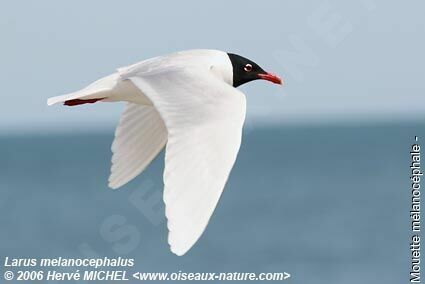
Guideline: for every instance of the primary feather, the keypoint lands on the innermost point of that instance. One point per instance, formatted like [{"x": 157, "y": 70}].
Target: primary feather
[
  {"x": 184, "y": 101},
  {"x": 139, "y": 137},
  {"x": 204, "y": 118}
]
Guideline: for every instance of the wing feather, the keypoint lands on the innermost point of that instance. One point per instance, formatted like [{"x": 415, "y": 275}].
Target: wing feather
[
  {"x": 204, "y": 118},
  {"x": 139, "y": 137}
]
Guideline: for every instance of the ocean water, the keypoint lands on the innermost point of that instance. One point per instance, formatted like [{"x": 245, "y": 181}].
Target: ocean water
[{"x": 325, "y": 204}]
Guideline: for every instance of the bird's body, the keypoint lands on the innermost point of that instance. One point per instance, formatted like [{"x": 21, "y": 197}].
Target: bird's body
[
  {"x": 116, "y": 87},
  {"x": 187, "y": 102}
]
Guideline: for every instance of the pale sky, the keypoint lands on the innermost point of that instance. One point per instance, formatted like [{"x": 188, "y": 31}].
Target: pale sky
[{"x": 354, "y": 62}]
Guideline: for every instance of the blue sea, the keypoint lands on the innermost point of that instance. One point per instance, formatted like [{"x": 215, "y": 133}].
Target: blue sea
[{"x": 327, "y": 204}]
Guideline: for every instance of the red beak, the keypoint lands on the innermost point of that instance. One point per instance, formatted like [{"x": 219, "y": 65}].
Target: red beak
[{"x": 271, "y": 77}]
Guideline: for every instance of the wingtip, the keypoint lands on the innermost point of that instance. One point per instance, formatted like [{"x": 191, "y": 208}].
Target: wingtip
[
  {"x": 113, "y": 185},
  {"x": 177, "y": 252}
]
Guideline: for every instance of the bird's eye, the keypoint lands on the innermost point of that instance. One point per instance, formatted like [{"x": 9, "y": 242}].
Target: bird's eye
[{"x": 248, "y": 68}]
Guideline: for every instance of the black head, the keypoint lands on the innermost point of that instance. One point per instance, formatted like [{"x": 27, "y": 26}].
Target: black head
[{"x": 245, "y": 70}]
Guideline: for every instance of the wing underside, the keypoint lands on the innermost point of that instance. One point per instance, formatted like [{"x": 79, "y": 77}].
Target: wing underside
[
  {"x": 204, "y": 118},
  {"x": 139, "y": 137}
]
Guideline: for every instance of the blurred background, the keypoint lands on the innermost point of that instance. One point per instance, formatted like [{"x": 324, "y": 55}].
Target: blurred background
[{"x": 321, "y": 185}]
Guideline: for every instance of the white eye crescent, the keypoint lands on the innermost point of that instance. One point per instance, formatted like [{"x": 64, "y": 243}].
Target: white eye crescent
[{"x": 248, "y": 68}]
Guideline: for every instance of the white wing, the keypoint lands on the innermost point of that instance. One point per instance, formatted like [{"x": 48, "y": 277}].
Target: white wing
[
  {"x": 204, "y": 118},
  {"x": 139, "y": 137}
]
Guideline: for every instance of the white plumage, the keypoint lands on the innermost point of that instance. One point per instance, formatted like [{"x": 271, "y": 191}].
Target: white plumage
[
  {"x": 185, "y": 101},
  {"x": 139, "y": 137}
]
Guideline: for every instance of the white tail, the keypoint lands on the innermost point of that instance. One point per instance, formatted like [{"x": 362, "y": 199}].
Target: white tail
[{"x": 107, "y": 89}]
